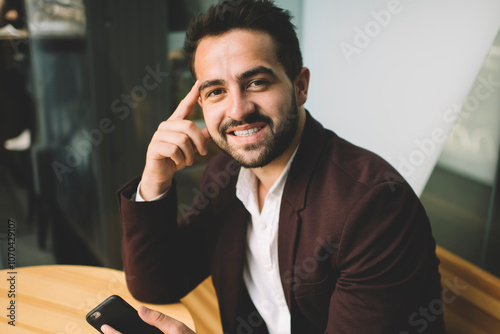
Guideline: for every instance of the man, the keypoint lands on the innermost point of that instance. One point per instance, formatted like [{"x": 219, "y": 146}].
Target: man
[{"x": 301, "y": 231}]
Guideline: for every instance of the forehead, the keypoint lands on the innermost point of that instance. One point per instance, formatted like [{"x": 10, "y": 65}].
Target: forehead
[{"x": 233, "y": 52}]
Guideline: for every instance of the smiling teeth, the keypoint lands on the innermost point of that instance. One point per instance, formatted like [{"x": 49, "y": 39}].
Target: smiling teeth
[{"x": 246, "y": 133}]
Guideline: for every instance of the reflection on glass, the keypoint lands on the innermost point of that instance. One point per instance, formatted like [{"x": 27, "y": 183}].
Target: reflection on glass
[
  {"x": 460, "y": 194},
  {"x": 56, "y": 18}
]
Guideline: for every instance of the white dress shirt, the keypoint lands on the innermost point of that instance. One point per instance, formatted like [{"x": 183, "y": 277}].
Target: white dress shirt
[
  {"x": 261, "y": 271},
  {"x": 138, "y": 197}
]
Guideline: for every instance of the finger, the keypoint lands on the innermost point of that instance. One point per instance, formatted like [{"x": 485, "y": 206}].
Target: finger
[
  {"x": 163, "y": 322},
  {"x": 205, "y": 133},
  {"x": 106, "y": 329},
  {"x": 176, "y": 141},
  {"x": 197, "y": 137},
  {"x": 186, "y": 105},
  {"x": 161, "y": 150}
]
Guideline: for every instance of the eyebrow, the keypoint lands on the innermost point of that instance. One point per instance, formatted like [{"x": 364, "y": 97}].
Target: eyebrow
[
  {"x": 256, "y": 71},
  {"x": 243, "y": 76},
  {"x": 210, "y": 83}
]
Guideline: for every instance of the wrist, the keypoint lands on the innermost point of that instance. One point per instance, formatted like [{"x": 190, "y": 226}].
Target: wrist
[{"x": 151, "y": 190}]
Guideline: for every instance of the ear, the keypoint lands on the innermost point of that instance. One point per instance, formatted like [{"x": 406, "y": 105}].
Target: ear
[{"x": 301, "y": 86}]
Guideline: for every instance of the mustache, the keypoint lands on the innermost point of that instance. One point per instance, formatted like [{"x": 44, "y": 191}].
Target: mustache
[{"x": 252, "y": 118}]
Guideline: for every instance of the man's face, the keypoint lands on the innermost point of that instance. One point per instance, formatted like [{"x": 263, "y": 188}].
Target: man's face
[{"x": 248, "y": 100}]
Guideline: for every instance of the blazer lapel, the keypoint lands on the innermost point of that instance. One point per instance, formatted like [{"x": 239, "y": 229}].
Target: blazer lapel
[
  {"x": 294, "y": 201},
  {"x": 289, "y": 228},
  {"x": 230, "y": 258}
]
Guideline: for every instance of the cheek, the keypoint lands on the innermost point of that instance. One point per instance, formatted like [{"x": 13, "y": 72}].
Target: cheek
[
  {"x": 212, "y": 120},
  {"x": 277, "y": 101}
]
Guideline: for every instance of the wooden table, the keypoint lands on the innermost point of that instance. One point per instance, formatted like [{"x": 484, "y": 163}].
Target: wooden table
[{"x": 55, "y": 299}]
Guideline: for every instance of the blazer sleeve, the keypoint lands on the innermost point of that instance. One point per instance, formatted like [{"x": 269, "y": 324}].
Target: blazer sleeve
[
  {"x": 389, "y": 279},
  {"x": 163, "y": 259}
]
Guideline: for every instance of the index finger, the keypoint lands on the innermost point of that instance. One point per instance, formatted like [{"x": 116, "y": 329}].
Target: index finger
[{"x": 186, "y": 105}]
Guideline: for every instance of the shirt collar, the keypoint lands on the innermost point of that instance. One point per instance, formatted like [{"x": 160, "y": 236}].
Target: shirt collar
[{"x": 246, "y": 186}]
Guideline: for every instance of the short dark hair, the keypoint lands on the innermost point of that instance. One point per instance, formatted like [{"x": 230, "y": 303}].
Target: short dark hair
[{"x": 260, "y": 15}]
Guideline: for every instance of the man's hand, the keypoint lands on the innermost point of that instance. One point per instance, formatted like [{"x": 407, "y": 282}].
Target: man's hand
[
  {"x": 173, "y": 147},
  {"x": 161, "y": 321}
]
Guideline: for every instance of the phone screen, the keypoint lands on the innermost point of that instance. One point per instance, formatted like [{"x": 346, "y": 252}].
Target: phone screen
[{"x": 117, "y": 313}]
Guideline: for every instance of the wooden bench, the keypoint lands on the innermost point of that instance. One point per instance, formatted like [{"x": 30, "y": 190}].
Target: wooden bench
[
  {"x": 471, "y": 299},
  {"x": 474, "y": 306}
]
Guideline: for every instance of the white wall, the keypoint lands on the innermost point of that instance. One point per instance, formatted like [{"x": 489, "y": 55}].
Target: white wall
[{"x": 386, "y": 81}]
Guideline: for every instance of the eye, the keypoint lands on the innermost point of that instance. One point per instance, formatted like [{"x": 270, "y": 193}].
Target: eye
[
  {"x": 214, "y": 92},
  {"x": 257, "y": 83}
]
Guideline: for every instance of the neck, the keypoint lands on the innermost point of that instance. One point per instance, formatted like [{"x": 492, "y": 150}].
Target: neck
[{"x": 268, "y": 174}]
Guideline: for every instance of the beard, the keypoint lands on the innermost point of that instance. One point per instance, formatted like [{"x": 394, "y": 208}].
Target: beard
[{"x": 278, "y": 139}]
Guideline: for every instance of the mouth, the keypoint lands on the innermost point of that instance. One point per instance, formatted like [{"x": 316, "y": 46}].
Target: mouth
[
  {"x": 246, "y": 130},
  {"x": 247, "y": 134}
]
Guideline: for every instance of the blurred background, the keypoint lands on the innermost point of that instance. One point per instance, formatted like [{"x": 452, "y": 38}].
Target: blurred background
[{"x": 84, "y": 85}]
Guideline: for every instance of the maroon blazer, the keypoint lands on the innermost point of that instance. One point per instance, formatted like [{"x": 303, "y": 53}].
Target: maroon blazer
[{"x": 355, "y": 247}]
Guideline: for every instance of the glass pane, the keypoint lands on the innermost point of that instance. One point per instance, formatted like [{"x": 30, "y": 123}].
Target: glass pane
[{"x": 459, "y": 196}]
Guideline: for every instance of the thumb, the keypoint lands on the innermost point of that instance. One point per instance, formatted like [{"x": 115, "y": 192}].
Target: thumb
[
  {"x": 163, "y": 322},
  {"x": 152, "y": 317}
]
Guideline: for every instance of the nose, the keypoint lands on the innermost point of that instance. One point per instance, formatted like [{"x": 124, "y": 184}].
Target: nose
[{"x": 240, "y": 106}]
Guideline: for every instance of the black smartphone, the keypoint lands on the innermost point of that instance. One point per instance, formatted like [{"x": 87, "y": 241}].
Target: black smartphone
[{"x": 120, "y": 315}]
